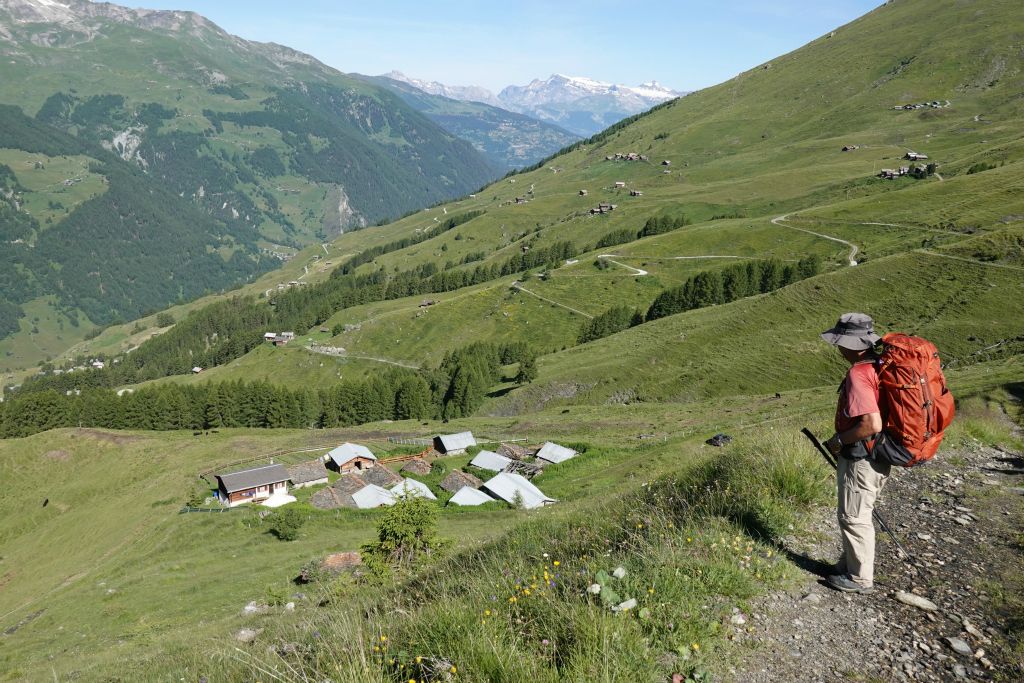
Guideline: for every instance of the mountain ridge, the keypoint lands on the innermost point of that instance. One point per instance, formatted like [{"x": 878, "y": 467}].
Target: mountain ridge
[{"x": 583, "y": 105}]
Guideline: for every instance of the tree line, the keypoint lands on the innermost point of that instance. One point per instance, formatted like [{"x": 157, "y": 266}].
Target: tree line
[
  {"x": 455, "y": 388},
  {"x": 706, "y": 288}
]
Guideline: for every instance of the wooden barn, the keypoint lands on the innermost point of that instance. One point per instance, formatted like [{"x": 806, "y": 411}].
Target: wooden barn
[
  {"x": 251, "y": 486},
  {"x": 350, "y": 457}
]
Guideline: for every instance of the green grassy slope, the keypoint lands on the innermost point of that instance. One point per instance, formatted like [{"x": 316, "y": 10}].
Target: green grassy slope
[
  {"x": 763, "y": 151},
  {"x": 107, "y": 578}
]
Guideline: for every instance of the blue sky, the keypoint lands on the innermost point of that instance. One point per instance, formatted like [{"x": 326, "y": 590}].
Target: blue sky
[{"x": 685, "y": 45}]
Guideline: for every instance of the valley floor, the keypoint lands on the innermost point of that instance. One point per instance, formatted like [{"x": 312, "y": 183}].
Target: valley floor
[{"x": 961, "y": 518}]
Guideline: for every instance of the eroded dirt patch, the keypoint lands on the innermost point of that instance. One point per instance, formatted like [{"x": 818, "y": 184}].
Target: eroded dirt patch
[
  {"x": 58, "y": 455},
  {"x": 107, "y": 437}
]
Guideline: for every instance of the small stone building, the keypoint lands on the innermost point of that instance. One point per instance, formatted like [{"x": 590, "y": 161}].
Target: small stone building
[
  {"x": 417, "y": 466},
  {"x": 457, "y": 479}
]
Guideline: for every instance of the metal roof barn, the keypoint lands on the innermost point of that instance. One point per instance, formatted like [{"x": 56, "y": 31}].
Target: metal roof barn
[
  {"x": 248, "y": 479},
  {"x": 455, "y": 442},
  {"x": 507, "y": 485},
  {"x": 410, "y": 488},
  {"x": 373, "y": 496},
  {"x": 469, "y": 496},
  {"x": 553, "y": 453},
  {"x": 489, "y": 460},
  {"x": 349, "y": 451}
]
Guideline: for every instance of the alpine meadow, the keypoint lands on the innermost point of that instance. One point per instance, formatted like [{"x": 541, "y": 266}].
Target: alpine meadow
[{"x": 232, "y": 273}]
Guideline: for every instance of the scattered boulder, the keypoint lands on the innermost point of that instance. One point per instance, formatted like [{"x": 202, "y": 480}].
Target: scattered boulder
[
  {"x": 246, "y": 635},
  {"x": 959, "y": 646},
  {"x": 916, "y": 601},
  {"x": 254, "y": 608}
]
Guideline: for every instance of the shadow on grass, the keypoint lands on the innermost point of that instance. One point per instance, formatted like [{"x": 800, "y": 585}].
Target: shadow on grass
[{"x": 501, "y": 392}]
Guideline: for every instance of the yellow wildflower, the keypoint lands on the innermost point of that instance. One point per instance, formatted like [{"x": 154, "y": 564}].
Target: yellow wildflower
[{"x": 556, "y": 563}]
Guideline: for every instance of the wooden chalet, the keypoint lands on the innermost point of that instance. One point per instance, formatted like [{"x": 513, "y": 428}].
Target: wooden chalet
[
  {"x": 254, "y": 485},
  {"x": 350, "y": 457}
]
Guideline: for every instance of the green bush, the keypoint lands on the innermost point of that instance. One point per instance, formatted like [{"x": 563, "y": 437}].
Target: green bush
[
  {"x": 406, "y": 536},
  {"x": 285, "y": 523}
]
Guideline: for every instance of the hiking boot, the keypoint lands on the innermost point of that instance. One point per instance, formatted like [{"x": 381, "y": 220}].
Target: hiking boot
[{"x": 843, "y": 582}]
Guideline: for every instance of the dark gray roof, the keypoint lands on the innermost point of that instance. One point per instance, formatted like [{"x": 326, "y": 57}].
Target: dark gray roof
[
  {"x": 305, "y": 472},
  {"x": 380, "y": 476},
  {"x": 258, "y": 476}
]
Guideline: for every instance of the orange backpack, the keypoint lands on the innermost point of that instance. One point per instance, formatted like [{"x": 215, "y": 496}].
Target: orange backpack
[{"x": 915, "y": 403}]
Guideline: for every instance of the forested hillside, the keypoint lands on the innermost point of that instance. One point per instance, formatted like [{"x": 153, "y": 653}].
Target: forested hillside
[{"x": 205, "y": 159}]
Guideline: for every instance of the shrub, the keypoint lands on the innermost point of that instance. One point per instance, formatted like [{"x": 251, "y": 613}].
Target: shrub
[
  {"x": 406, "y": 536},
  {"x": 285, "y": 523}
]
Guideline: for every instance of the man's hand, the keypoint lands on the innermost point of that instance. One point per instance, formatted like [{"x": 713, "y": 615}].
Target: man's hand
[{"x": 834, "y": 445}]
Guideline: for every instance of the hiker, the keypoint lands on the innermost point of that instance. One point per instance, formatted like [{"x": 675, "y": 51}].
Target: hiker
[{"x": 860, "y": 477}]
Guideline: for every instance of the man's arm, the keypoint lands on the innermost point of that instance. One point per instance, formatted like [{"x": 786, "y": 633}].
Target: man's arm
[{"x": 867, "y": 425}]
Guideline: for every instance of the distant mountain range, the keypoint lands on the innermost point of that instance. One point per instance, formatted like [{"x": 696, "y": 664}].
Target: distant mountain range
[
  {"x": 507, "y": 139},
  {"x": 583, "y": 106}
]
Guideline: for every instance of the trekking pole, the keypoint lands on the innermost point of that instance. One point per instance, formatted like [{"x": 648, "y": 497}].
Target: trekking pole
[{"x": 874, "y": 513}]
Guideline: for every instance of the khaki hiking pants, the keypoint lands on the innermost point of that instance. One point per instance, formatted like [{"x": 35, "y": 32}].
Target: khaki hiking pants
[{"x": 860, "y": 482}]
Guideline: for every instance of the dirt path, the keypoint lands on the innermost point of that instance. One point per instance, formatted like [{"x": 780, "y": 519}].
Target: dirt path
[
  {"x": 636, "y": 271},
  {"x": 780, "y": 220},
  {"x": 516, "y": 285},
  {"x": 968, "y": 260},
  {"x": 353, "y": 355},
  {"x": 961, "y": 519}
]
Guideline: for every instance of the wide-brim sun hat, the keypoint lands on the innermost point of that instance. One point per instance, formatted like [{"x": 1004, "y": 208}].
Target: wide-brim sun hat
[{"x": 855, "y": 331}]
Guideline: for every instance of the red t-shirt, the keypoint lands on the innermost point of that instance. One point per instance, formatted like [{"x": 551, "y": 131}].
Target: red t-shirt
[{"x": 858, "y": 395}]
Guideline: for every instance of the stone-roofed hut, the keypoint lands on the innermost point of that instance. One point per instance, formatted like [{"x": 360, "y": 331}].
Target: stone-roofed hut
[
  {"x": 417, "y": 466},
  {"x": 310, "y": 473},
  {"x": 514, "y": 452},
  {"x": 457, "y": 479},
  {"x": 339, "y": 494},
  {"x": 380, "y": 476}
]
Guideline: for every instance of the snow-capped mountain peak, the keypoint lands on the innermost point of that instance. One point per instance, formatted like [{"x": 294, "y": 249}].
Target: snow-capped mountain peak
[{"x": 467, "y": 93}]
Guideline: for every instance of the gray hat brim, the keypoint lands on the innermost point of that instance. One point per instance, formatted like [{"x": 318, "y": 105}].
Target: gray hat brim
[{"x": 849, "y": 341}]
